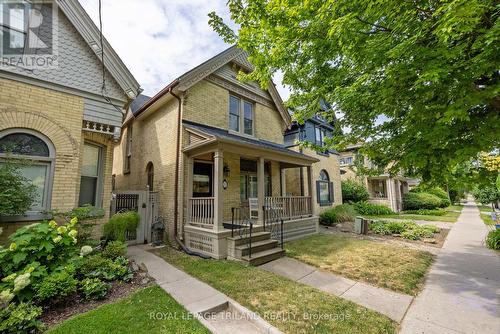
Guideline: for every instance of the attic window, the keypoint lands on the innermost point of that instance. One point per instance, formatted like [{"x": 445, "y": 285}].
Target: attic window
[{"x": 241, "y": 115}]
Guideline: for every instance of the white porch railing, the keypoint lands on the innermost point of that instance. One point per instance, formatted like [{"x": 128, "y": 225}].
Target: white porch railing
[
  {"x": 201, "y": 211},
  {"x": 290, "y": 207}
]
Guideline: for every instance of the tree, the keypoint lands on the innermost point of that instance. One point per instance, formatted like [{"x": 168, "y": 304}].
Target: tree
[
  {"x": 487, "y": 195},
  {"x": 17, "y": 193},
  {"x": 418, "y": 80}
]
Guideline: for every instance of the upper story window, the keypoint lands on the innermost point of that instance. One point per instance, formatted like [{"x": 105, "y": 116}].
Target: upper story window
[
  {"x": 128, "y": 150},
  {"x": 346, "y": 161},
  {"x": 320, "y": 136},
  {"x": 241, "y": 115},
  {"x": 13, "y": 22},
  {"x": 39, "y": 153}
]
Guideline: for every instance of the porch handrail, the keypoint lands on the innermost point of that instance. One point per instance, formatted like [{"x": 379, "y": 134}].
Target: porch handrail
[
  {"x": 290, "y": 207},
  {"x": 201, "y": 210}
]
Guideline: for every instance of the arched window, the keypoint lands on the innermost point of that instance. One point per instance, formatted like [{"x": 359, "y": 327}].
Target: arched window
[
  {"x": 39, "y": 153},
  {"x": 324, "y": 189},
  {"x": 150, "y": 169}
]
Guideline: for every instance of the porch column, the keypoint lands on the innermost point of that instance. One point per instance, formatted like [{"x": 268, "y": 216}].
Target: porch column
[
  {"x": 310, "y": 191},
  {"x": 189, "y": 187},
  {"x": 283, "y": 181},
  {"x": 261, "y": 193},
  {"x": 218, "y": 191}
]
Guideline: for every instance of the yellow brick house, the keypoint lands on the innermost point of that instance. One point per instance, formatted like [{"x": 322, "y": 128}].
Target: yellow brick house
[
  {"x": 211, "y": 145},
  {"x": 60, "y": 119}
]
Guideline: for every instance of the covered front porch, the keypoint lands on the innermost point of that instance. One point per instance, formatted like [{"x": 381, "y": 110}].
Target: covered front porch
[{"x": 229, "y": 175}]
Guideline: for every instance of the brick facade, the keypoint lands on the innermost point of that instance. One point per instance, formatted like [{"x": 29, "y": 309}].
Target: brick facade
[{"x": 58, "y": 116}]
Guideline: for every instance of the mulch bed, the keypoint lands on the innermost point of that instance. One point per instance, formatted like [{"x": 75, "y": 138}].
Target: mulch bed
[
  {"x": 62, "y": 310},
  {"x": 348, "y": 228}
]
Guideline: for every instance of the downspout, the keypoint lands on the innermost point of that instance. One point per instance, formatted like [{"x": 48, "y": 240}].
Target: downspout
[{"x": 176, "y": 182}]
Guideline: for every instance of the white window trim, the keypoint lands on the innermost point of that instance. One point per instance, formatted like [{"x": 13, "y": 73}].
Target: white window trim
[
  {"x": 50, "y": 160},
  {"x": 100, "y": 174},
  {"x": 241, "y": 123}
]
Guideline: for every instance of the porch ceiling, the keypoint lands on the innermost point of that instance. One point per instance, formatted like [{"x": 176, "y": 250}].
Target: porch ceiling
[{"x": 245, "y": 146}]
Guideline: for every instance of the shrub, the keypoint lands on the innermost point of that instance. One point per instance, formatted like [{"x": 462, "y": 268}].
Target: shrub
[
  {"x": 493, "y": 240},
  {"x": 339, "y": 214},
  {"x": 17, "y": 193},
  {"x": 436, "y": 191},
  {"x": 487, "y": 195},
  {"x": 87, "y": 216},
  {"x": 365, "y": 208},
  {"x": 120, "y": 224},
  {"x": 93, "y": 288},
  {"x": 425, "y": 212},
  {"x": 417, "y": 201},
  {"x": 56, "y": 285},
  {"x": 353, "y": 191},
  {"x": 97, "y": 266},
  {"x": 20, "y": 318},
  {"x": 406, "y": 229},
  {"x": 115, "y": 249}
]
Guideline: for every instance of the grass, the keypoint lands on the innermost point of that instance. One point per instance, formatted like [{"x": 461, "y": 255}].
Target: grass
[
  {"x": 396, "y": 268},
  {"x": 133, "y": 315},
  {"x": 288, "y": 305},
  {"x": 485, "y": 208},
  {"x": 485, "y": 211},
  {"x": 457, "y": 207}
]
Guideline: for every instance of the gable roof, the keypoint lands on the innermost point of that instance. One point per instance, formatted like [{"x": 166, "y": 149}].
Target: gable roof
[
  {"x": 200, "y": 72},
  {"x": 91, "y": 34}
]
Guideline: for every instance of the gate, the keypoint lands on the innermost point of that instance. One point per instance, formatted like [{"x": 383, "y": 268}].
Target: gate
[{"x": 143, "y": 202}]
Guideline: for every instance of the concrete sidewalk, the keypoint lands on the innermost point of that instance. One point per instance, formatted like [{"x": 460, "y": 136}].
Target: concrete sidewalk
[
  {"x": 227, "y": 316},
  {"x": 461, "y": 294},
  {"x": 389, "y": 303}
]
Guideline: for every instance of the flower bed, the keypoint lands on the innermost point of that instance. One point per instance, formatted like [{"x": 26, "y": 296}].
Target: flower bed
[
  {"x": 46, "y": 266},
  {"x": 404, "y": 229}
]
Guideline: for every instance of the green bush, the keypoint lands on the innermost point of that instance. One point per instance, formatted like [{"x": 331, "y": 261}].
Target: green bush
[
  {"x": 97, "y": 266},
  {"x": 436, "y": 191},
  {"x": 93, "y": 288},
  {"x": 20, "y": 318},
  {"x": 365, "y": 208},
  {"x": 493, "y": 240},
  {"x": 339, "y": 214},
  {"x": 115, "y": 249},
  {"x": 120, "y": 224},
  {"x": 406, "y": 229},
  {"x": 87, "y": 216},
  {"x": 354, "y": 192},
  {"x": 56, "y": 285},
  {"x": 425, "y": 212},
  {"x": 417, "y": 201}
]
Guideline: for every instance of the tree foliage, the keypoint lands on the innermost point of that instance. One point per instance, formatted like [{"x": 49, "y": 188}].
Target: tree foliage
[
  {"x": 428, "y": 69},
  {"x": 487, "y": 195},
  {"x": 17, "y": 193},
  {"x": 353, "y": 191}
]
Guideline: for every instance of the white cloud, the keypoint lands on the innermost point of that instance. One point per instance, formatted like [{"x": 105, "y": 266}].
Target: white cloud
[{"x": 159, "y": 40}]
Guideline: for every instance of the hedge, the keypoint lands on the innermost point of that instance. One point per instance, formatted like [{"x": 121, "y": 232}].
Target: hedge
[{"x": 417, "y": 201}]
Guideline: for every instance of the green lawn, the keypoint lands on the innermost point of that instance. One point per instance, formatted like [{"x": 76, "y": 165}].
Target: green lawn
[
  {"x": 134, "y": 315},
  {"x": 485, "y": 208},
  {"x": 397, "y": 268},
  {"x": 449, "y": 216},
  {"x": 292, "y": 307},
  {"x": 455, "y": 207}
]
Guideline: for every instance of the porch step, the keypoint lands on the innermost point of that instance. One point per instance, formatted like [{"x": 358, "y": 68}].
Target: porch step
[
  {"x": 263, "y": 257},
  {"x": 259, "y": 246},
  {"x": 257, "y": 236}
]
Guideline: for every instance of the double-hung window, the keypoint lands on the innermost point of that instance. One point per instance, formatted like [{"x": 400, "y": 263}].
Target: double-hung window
[
  {"x": 324, "y": 189},
  {"x": 241, "y": 115},
  {"x": 128, "y": 150},
  {"x": 91, "y": 179},
  {"x": 13, "y": 24},
  {"x": 320, "y": 136}
]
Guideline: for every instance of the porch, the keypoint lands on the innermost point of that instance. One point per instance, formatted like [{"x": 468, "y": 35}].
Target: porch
[{"x": 223, "y": 175}]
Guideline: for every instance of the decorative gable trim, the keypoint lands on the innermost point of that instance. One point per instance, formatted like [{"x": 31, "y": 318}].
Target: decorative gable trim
[{"x": 90, "y": 33}]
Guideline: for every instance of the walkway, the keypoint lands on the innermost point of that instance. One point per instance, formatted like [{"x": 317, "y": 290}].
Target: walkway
[
  {"x": 461, "y": 294},
  {"x": 389, "y": 303},
  {"x": 226, "y": 316}
]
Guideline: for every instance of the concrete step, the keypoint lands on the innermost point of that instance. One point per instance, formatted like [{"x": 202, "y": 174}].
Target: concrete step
[
  {"x": 257, "y": 246},
  {"x": 258, "y": 236},
  {"x": 263, "y": 257}
]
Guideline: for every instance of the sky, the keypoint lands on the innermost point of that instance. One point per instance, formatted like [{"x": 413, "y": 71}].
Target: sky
[{"x": 159, "y": 40}]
